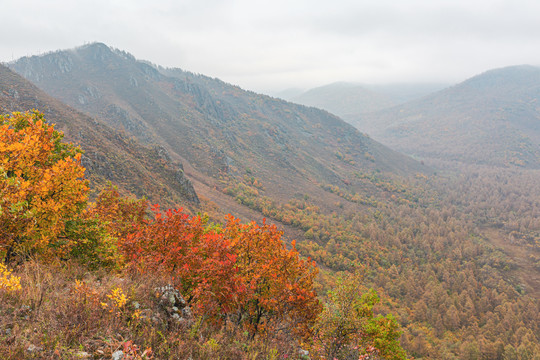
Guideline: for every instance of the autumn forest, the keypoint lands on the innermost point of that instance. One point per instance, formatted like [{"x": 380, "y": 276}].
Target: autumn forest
[{"x": 153, "y": 213}]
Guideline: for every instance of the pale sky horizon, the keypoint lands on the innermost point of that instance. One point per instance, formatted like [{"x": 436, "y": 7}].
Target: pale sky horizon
[{"x": 268, "y": 46}]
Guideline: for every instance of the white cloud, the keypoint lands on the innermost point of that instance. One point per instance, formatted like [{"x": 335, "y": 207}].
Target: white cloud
[{"x": 282, "y": 43}]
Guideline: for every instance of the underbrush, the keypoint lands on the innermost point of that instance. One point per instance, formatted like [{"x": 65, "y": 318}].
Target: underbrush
[
  {"x": 106, "y": 280},
  {"x": 64, "y": 311}
]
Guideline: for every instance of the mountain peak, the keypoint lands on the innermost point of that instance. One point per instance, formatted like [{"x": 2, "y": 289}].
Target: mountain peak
[
  {"x": 215, "y": 127},
  {"x": 95, "y": 46},
  {"x": 102, "y": 54},
  {"x": 518, "y": 74},
  {"x": 102, "y": 51}
]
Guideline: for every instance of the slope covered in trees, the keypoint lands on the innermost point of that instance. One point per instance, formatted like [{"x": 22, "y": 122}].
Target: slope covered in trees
[
  {"x": 228, "y": 279},
  {"x": 492, "y": 118},
  {"x": 194, "y": 116},
  {"x": 419, "y": 239}
]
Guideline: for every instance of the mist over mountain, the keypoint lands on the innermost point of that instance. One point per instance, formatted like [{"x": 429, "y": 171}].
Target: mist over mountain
[
  {"x": 405, "y": 92},
  {"x": 344, "y": 99},
  {"x": 492, "y": 118}
]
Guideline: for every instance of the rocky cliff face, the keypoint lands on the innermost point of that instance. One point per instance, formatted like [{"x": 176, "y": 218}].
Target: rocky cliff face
[{"x": 185, "y": 187}]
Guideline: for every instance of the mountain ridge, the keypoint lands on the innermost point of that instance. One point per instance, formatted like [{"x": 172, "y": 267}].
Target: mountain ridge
[
  {"x": 216, "y": 128},
  {"x": 491, "y": 118},
  {"x": 346, "y": 99},
  {"x": 109, "y": 155}
]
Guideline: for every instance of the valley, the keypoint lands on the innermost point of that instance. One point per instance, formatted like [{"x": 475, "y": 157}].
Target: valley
[{"x": 441, "y": 217}]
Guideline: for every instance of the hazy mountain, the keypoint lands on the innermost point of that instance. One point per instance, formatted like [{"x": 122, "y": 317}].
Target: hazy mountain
[
  {"x": 214, "y": 128},
  {"x": 109, "y": 156},
  {"x": 404, "y": 92},
  {"x": 492, "y": 118},
  {"x": 286, "y": 94},
  {"x": 347, "y": 99},
  {"x": 343, "y": 98}
]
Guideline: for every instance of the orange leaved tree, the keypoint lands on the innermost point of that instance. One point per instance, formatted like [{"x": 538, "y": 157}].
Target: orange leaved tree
[
  {"x": 241, "y": 273},
  {"x": 279, "y": 284},
  {"x": 96, "y": 232},
  {"x": 120, "y": 215},
  {"x": 41, "y": 184},
  {"x": 198, "y": 260}
]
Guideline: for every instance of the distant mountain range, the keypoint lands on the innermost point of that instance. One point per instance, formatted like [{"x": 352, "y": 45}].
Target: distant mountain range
[
  {"x": 343, "y": 98},
  {"x": 492, "y": 118},
  {"x": 216, "y": 130}
]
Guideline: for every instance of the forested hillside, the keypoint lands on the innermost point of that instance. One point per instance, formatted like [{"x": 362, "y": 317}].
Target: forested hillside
[
  {"x": 428, "y": 243},
  {"x": 223, "y": 135},
  {"x": 105, "y": 279},
  {"x": 492, "y": 119}
]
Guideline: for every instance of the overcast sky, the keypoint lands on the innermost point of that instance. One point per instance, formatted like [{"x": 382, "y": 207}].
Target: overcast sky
[{"x": 278, "y": 44}]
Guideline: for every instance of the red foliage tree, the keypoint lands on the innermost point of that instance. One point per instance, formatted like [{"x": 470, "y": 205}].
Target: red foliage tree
[
  {"x": 200, "y": 261},
  {"x": 242, "y": 272},
  {"x": 279, "y": 285}
]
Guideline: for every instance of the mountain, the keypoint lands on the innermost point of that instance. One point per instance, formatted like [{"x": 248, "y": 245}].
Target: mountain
[
  {"x": 401, "y": 93},
  {"x": 348, "y": 99},
  {"x": 109, "y": 155},
  {"x": 424, "y": 242},
  {"x": 286, "y": 94},
  {"x": 492, "y": 118},
  {"x": 344, "y": 98},
  {"x": 220, "y": 132}
]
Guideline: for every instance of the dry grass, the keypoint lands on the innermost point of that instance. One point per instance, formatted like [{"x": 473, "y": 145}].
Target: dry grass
[{"x": 63, "y": 312}]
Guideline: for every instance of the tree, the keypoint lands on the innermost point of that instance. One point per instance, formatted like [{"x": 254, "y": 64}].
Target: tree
[
  {"x": 103, "y": 224},
  {"x": 199, "y": 260},
  {"x": 241, "y": 272},
  {"x": 42, "y": 185},
  {"x": 120, "y": 215},
  {"x": 348, "y": 329},
  {"x": 278, "y": 283}
]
